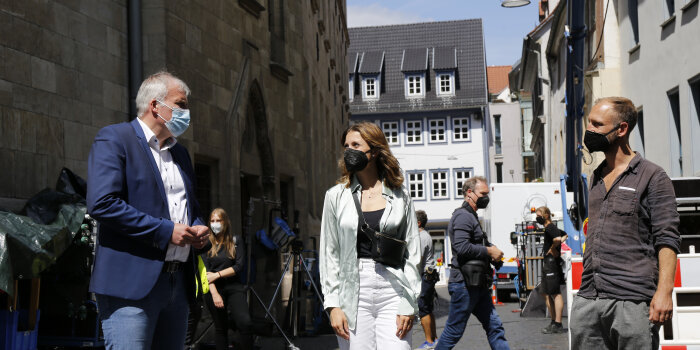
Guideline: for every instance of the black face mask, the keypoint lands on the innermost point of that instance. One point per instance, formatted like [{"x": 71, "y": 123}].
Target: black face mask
[
  {"x": 355, "y": 160},
  {"x": 482, "y": 202},
  {"x": 597, "y": 142},
  {"x": 540, "y": 220}
]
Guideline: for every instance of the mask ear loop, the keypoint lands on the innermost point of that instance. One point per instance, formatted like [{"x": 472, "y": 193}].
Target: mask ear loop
[{"x": 586, "y": 160}]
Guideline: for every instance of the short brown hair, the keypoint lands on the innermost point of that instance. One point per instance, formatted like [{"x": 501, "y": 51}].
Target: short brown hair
[
  {"x": 624, "y": 109},
  {"x": 422, "y": 218},
  {"x": 387, "y": 165},
  {"x": 470, "y": 183}
]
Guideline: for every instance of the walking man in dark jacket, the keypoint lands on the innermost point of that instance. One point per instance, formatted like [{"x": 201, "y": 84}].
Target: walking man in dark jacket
[{"x": 469, "y": 244}]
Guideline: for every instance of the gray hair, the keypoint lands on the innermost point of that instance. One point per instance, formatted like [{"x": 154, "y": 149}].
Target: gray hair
[
  {"x": 156, "y": 87},
  {"x": 470, "y": 183},
  {"x": 422, "y": 218}
]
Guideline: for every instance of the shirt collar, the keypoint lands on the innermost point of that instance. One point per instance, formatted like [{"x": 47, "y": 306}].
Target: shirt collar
[
  {"x": 356, "y": 186},
  {"x": 153, "y": 140},
  {"x": 631, "y": 167}
]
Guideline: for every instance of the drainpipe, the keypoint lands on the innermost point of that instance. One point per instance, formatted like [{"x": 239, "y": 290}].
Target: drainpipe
[{"x": 135, "y": 54}]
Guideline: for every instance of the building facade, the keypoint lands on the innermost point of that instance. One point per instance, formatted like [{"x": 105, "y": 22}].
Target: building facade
[
  {"x": 506, "y": 151},
  {"x": 269, "y": 98},
  {"x": 424, "y": 84}
]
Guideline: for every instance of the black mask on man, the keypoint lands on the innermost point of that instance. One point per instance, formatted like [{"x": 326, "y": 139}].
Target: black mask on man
[
  {"x": 482, "y": 202},
  {"x": 597, "y": 142},
  {"x": 355, "y": 160}
]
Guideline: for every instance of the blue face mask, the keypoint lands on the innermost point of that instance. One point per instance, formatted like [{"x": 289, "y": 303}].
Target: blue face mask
[{"x": 179, "y": 122}]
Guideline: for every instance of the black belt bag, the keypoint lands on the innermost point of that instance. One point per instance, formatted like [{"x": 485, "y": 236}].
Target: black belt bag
[
  {"x": 385, "y": 249},
  {"x": 477, "y": 273}
]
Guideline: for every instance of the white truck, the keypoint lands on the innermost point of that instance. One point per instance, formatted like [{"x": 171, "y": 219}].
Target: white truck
[{"x": 512, "y": 204}]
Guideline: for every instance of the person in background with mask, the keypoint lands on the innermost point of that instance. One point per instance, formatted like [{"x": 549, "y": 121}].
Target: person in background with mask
[
  {"x": 552, "y": 276},
  {"x": 471, "y": 294},
  {"x": 371, "y": 305},
  {"x": 225, "y": 261},
  {"x": 429, "y": 276},
  {"x": 630, "y": 259},
  {"x": 141, "y": 191}
]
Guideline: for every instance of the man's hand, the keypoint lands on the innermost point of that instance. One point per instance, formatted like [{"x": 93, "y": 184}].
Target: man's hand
[
  {"x": 200, "y": 235},
  {"x": 404, "y": 323},
  {"x": 340, "y": 323},
  {"x": 494, "y": 253},
  {"x": 181, "y": 235},
  {"x": 661, "y": 307}
]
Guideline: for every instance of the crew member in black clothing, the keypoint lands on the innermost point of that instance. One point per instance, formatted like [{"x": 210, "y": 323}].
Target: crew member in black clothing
[
  {"x": 552, "y": 276},
  {"x": 225, "y": 260}
]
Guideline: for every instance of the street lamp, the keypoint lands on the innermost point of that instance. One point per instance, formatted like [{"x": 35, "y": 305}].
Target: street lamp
[{"x": 514, "y": 3}]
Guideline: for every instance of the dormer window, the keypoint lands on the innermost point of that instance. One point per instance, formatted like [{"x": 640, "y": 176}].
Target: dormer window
[
  {"x": 414, "y": 64},
  {"x": 351, "y": 88},
  {"x": 445, "y": 66},
  {"x": 370, "y": 88},
  {"x": 370, "y": 70},
  {"x": 415, "y": 85},
  {"x": 445, "y": 83}
]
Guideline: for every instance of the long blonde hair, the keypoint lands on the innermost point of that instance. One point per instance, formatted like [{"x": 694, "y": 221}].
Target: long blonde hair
[
  {"x": 387, "y": 165},
  {"x": 224, "y": 238}
]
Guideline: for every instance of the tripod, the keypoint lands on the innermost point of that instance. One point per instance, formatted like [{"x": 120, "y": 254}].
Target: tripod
[{"x": 296, "y": 249}]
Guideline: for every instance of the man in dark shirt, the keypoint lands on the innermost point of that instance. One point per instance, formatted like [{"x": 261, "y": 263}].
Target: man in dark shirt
[
  {"x": 630, "y": 258},
  {"x": 469, "y": 243}
]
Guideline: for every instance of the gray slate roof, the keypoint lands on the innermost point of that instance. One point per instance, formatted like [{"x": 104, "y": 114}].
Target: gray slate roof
[
  {"x": 414, "y": 60},
  {"x": 449, "y": 44}
]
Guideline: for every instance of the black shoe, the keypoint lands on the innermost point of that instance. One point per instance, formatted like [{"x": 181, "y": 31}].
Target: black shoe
[
  {"x": 548, "y": 329},
  {"x": 554, "y": 328}
]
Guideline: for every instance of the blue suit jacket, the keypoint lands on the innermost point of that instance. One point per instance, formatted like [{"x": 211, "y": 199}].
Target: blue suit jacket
[{"x": 126, "y": 196}]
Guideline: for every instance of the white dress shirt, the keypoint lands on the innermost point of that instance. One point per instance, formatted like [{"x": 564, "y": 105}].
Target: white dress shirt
[{"x": 174, "y": 188}]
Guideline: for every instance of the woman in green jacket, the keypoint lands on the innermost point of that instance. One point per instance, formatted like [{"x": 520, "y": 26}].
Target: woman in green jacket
[{"x": 372, "y": 306}]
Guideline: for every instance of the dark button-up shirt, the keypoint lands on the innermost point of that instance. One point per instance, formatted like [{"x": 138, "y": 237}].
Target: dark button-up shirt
[
  {"x": 627, "y": 225},
  {"x": 467, "y": 240}
]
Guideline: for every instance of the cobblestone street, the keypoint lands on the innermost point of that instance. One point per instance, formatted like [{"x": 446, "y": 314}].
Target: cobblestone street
[{"x": 522, "y": 333}]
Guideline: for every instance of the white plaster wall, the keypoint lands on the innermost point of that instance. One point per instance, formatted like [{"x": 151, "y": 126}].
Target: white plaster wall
[
  {"x": 511, "y": 141},
  {"x": 665, "y": 60},
  {"x": 450, "y": 155}
]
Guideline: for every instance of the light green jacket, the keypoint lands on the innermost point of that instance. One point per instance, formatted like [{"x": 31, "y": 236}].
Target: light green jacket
[{"x": 340, "y": 278}]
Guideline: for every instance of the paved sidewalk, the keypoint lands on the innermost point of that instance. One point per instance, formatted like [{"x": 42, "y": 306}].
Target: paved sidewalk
[{"x": 522, "y": 333}]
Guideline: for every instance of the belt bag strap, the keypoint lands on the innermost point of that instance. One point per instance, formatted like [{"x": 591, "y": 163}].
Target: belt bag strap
[{"x": 386, "y": 250}]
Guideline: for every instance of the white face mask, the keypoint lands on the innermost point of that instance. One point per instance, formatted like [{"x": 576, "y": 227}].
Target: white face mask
[{"x": 216, "y": 227}]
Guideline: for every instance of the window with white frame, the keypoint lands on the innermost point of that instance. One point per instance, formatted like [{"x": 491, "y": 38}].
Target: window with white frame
[
  {"x": 439, "y": 183},
  {"x": 416, "y": 185},
  {"x": 437, "y": 130},
  {"x": 351, "y": 88},
  {"x": 460, "y": 129},
  {"x": 414, "y": 128},
  {"x": 371, "y": 87},
  {"x": 461, "y": 175},
  {"x": 445, "y": 83},
  {"x": 391, "y": 132},
  {"x": 414, "y": 85}
]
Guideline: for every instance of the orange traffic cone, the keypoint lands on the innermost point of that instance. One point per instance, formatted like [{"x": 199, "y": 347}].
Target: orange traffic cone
[{"x": 494, "y": 297}]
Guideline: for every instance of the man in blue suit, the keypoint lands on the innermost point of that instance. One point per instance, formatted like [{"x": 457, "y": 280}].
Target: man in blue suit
[{"x": 141, "y": 191}]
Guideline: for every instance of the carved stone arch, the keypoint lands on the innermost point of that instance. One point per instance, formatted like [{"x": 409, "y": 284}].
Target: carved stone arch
[{"x": 255, "y": 139}]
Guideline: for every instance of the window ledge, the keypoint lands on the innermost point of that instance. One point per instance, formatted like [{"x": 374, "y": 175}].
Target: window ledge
[
  {"x": 689, "y": 5},
  {"x": 669, "y": 20},
  {"x": 280, "y": 72},
  {"x": 252, "y": 6},
  {"x": 634, "y": 49}
]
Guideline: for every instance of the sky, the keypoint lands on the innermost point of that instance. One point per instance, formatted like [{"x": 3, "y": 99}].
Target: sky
[{"x": 504, "y": 28}]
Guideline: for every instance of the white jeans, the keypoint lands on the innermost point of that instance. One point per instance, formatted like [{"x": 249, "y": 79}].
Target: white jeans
[{"x": 376, "y": 315}]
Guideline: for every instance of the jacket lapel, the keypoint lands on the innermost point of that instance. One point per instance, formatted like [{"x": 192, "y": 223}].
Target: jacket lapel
[{"x": 147, "y": 152}]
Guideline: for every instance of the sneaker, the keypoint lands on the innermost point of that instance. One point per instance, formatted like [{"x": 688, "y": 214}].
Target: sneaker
[
  {"x": 427, "y": 345},
  {"x": 554, "y": 328}
]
